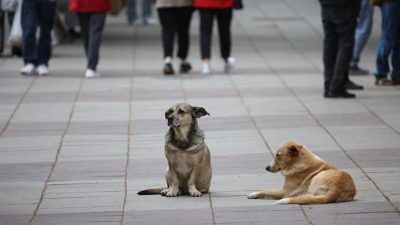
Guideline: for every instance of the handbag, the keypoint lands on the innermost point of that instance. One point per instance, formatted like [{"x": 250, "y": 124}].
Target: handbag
[
  {"x": 237, "y": 4},
  {"x": 116, "y": 7}
]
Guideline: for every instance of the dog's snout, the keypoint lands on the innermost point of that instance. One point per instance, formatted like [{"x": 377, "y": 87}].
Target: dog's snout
[{"x": 268, "y": 168}]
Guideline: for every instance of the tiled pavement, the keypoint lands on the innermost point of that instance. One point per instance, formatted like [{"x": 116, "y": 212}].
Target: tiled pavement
[{"x": 76, "y": 151}]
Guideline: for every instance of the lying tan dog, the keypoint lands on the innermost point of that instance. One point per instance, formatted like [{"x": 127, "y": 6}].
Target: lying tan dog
[
  {"x": 189, "y": 163},
  {"x": 308, "y": 179}
]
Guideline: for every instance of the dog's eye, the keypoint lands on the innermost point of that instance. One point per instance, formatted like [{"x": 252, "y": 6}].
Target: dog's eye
[{"x": 180, "y": 111}]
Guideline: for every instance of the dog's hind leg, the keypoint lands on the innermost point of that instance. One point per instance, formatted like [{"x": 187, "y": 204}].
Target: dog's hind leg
[
  {"x": 306, "y": 199},
  {"x": 267, "y": 193}
]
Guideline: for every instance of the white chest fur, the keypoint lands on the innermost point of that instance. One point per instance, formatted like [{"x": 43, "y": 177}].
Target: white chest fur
[{"x": 182, "y": 168}]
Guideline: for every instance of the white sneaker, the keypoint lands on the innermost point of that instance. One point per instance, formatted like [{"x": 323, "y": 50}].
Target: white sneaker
[
  {"x": 150, "y": 21},
  {"x": 230, "y": 64},
  {"x": 206, "y": 69},
  {"x": 42, "y": 70},
  {"x": 138, "y": 22},
  {"x": 91, "y": 74},
  {"x": 28, "y": 69}
]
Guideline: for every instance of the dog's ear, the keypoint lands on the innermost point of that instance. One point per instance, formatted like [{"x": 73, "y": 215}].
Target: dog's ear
[
  {"x": 168, "y": 112},
  {"x": 198, "y": 112},
  {"x": 294, "y": 149}
]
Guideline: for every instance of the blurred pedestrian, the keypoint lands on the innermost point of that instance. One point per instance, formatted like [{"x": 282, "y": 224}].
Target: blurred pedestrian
[
  {"x": 92, "y": 16},
  {"x": 339, "y": 20},
  {"x": 389, "y": 43},
  {"x": 363, "y": 31},
  {"x": 37, "y": 53},
  {"x": 222, "y": 10},
  {"x": 175, "y": 17},
  {"x": 146, "y": 13}
]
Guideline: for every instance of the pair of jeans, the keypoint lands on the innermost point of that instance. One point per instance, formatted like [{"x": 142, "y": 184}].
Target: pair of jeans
[
  {"x": 363, "y": 31},
  {"x": 34, "y": 14},
  {"x": 389, "y": 43},
  {"x": 131, "y": 10},
  {"x": 92, "y": 25},
  {"x": 224, "y": 18},
  {"x": 339, "y": 23},
  {"x": 175, "y": 21}
]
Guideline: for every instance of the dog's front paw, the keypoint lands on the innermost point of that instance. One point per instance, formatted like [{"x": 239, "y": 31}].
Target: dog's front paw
[
  {"x": 164, "y": 192},
  {"x": 195, "y": 193},
  {"x": 173, "y": 193},
  {"x": 283, "y": 201},
  {"x": 253, "y": 195}
]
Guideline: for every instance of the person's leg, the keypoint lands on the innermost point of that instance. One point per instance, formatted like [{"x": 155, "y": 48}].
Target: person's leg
[
  {"x": 363, "y": 31},
  {"x": 185, "y": 17},
  {"x": 131, "y": 11},
  {"x": 84, "y": 19},
  {"x": 206, "y": 26},
  {"x": 46, "y": 21},
  {"x": 168, "y": 20},
  {"x": 396, "y": 51},
  {"x": 29, "y": 23},
  {"x": 96, "y": 26},
  {"x": 345, "y": 20},
  {"x": 224, "y": 18},
  {"x": 168, "y": 27},
  {"x": 146, "y": 9},
  {"x": 386, "y": 42},
  {"x": 330, "y": 48}
]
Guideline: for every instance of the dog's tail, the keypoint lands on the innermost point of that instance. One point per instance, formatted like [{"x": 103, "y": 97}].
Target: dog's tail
[{"x": 153, "y": 191}]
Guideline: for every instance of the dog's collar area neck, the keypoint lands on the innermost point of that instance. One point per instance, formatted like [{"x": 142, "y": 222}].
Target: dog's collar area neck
[{"x": 193, "y": 143}]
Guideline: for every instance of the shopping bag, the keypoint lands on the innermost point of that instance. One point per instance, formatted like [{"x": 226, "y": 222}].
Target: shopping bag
[
  {"x": 116, "y": 7},
  {"x": 15, "y": 37}
]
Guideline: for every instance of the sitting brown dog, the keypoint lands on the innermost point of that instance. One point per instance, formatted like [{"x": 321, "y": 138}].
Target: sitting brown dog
[
  {"x": 189, "y": 162},
  {"x": 308, "y": 179}
]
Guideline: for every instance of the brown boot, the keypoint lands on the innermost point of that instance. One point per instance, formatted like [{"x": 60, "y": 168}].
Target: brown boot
[{"x": 383, "y": 81}]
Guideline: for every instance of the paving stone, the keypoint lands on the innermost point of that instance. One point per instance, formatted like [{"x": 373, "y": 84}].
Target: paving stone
[
  {"x": 28, "y": 129},
  {"x": 33, "y": 149},
  {"x": 89, "y": 170},
  {"x": 98, "y": 127},
  {"x": 259, "y": 215},
  {"x": 100, "y": 218},
  {"x": 18, "y": 199},
  {"x": 169, "y": 217},
  {"x": 366, "y": 137},
  {"x": 314, "y": 138},
  {"x": 353, "y": 213},
  {"x": 14, "y": 219},
  {"x": 36, "y": 171},
  {"x": 83, "y": 196},
  {"x": 56, "y": 112}
]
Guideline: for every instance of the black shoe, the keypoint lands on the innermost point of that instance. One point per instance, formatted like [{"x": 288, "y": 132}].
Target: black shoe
[
  {"x": 339, "y": 94},
  {"x": 395, "y": 81},
  {"x": 358, "y": 71},
  {"x": 168, "y": 69},
  {"x": 185, "y": 67},
  {"x": 350, "y": 85}
]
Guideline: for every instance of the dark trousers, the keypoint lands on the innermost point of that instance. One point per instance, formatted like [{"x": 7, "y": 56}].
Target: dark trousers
[
  {"x": 34, "y": 14},
  {"x": 339, "y": 23},
  {"x": 224, "y": 18},
  {"x": 175, "y": 21},
  {"x": 92, "y": 26}
]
